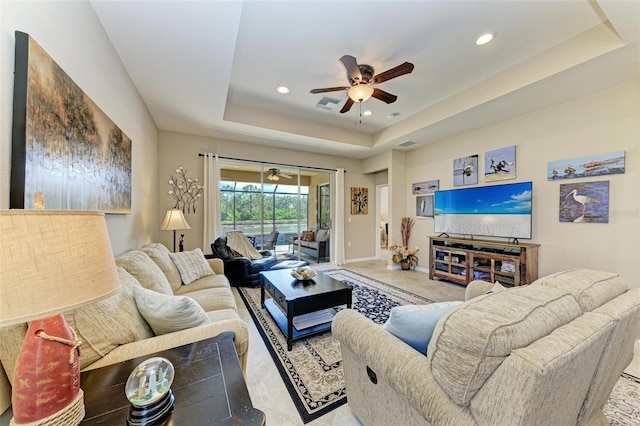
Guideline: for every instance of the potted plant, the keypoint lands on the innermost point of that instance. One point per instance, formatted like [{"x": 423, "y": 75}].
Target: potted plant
[{"x": 405, "y": 256}]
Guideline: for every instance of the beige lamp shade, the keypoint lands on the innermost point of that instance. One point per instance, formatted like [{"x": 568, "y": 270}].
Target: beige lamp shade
[
  {"x": 52, "y": 261},
  {"x": 174, "y": 219}
]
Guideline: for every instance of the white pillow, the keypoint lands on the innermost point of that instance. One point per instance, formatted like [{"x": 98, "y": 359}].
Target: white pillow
[
  {"x": 497, "y": 288},
  {"x": 414, "y": 324},
  {"x": 166, "y": 314},
  {"x": 192, "y": 265}
]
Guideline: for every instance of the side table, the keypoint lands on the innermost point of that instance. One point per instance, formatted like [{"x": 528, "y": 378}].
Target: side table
[{"x": 209, "y": 387}]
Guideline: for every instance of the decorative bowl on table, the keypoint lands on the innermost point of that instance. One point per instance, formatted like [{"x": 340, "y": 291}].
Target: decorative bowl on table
[{"x": 303, "y": 274}]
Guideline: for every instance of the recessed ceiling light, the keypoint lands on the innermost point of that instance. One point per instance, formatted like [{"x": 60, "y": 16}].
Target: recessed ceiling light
[
  {"x": 367, "y": 113},
  {"x": 485, "y": 38},
  {"x": 283, "y": 90}
]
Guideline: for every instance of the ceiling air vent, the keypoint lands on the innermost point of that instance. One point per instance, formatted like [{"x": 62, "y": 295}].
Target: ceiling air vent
[
  {"x": 407, "y": 143},
  {"x": 327, "y": 103}
]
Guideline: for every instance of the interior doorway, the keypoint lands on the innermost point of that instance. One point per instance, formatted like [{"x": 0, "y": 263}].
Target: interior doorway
[{"x": 382, "y": 221}]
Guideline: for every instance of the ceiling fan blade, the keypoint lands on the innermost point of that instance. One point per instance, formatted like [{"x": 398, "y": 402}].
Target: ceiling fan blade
[
  {"x": 384, "y": 96},
  {"x": 401, "y": 69},
  {"x": 329, "y": 89},
  {"x": 351, "y": 65},
  {"x": 284, "y": 175},
  {"x": 347, "y": 106}
]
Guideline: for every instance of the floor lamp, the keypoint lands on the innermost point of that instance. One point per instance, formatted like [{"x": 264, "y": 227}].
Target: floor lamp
[
  {"x": 51, "y": 261},
  {"x": 174, "y": 220}
]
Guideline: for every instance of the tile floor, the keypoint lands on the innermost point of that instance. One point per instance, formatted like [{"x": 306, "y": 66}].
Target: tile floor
[{"x": 266, "y": 387}]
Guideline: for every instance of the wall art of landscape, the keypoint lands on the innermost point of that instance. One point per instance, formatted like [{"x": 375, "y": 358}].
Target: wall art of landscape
[{"x": 73, "y": 153}]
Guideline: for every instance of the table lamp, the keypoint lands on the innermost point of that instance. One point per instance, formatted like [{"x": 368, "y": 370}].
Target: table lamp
[
  {"x": 174, "y": 219},
  {"x": 51, "y": 261}
]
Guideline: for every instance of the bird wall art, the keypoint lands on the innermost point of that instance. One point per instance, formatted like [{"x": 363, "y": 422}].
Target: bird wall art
[{"x": 584, "y": 202}]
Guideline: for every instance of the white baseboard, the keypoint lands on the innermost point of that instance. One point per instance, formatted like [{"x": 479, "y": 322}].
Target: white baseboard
[{"x": 362, "y": 259}]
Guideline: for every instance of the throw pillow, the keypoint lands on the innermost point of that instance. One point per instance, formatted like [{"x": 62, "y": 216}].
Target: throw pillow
[
  {"x": 192, "y": 265},
  {"x": 497, "y": 288},
  {"x": 322, "y": 235},
  {"x": 166, "y": 314},
  {"x": 308, "y": 236},
  {"x": 414, "y": 324}
]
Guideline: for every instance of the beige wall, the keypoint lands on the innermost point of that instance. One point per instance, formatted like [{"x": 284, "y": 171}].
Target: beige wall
[
  {"x": 603, "y": 122},
  {"x": 178, "y": 149},
  {"x": 73, "y": 36}
]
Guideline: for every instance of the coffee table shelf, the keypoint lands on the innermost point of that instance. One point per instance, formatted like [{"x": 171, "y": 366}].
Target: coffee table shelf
[{"x": 281, "y": 319}]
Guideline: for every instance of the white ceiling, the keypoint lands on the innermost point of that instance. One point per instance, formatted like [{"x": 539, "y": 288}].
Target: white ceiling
[{"x": 211, "y": 68}]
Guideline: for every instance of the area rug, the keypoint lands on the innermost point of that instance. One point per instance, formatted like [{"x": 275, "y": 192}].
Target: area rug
[
  {"x": 312, "y": 370},
  {"x": 623, "y": 407}
]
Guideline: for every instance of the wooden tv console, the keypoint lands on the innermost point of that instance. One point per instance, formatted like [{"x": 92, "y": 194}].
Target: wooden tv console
[{"x": 463, "y": 260}]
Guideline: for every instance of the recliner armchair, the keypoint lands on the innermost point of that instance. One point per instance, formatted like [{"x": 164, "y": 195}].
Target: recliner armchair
[{"x": 241, "y": 271}]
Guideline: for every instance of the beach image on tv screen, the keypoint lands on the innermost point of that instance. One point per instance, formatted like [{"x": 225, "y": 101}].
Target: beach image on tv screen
[{"x": 497, "y": 210}]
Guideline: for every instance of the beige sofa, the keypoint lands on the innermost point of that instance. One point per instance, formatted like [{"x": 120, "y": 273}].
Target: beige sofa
[
  {"x": 113, "y": 330},
  {"x": 544, "y": 354}
]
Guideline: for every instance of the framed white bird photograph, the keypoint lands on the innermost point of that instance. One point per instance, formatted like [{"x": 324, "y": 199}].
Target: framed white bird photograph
[
  {"x": 465, "y": 170},
  {"x": 584, "y": 202}
]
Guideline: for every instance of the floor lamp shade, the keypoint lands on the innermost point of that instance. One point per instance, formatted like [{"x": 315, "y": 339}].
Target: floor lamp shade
[
  {"x": 51, "y": 261},
  {"x": 174, "y": 219}
]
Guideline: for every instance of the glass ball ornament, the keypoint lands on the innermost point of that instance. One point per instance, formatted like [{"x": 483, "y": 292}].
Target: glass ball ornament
[{"x": 149, "y": 382}]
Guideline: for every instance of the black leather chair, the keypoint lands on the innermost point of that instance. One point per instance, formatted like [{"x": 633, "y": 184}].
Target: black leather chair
[{"x": 241, "y": 271}]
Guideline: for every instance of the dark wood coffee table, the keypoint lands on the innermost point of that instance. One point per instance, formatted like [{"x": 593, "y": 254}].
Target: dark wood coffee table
[
  {"x": 291, "y": 298},
  {"x": 208, "y": 387}
]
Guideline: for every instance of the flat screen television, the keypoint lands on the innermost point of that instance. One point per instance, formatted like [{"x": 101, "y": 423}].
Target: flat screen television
[{"x": 492, "y": 211}]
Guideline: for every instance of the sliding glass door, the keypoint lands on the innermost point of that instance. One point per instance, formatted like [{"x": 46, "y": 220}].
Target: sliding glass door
[{"x": 260, "y": 198}]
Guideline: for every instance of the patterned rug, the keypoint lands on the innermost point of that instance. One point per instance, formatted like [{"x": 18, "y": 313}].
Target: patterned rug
[
  {"x": 312, "y": 371},
  {"x": 623, "y": 407}
]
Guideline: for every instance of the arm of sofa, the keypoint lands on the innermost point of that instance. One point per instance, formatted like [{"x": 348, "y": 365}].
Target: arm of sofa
[
  {"x": 476, "y": 288},
  {"x": 179, "y": 338},
  {"x": 405, "y": 391},
  {"x": 217, "y": 265}
]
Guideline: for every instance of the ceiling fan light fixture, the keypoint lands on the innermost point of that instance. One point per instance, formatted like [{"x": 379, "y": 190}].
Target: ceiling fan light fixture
[
  {"x": 360, "y": 92},
  {"x": 273, "y": 178}
]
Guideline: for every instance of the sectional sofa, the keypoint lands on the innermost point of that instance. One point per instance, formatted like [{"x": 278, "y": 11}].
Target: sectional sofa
[
  {"x": 544, "y": 354},
  {"x": 148, "y": 314}
]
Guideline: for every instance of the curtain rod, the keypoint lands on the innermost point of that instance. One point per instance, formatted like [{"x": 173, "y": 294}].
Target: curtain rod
[{"x": 201, "y": 154}]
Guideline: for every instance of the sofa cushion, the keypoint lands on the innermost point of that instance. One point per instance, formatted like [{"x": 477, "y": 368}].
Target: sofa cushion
[
  {"x": 322, "y": 235},
  {"x": 145, "y": 270},
  {"x": 192, "y": 265},
  {"x": 160, "y": 255},
  {"x": 470, "y": 342},
  {"x": 212, "y": 299},
  {"x": 414, "y": 324},
  {"x": 210, "y": 281},
  {"x": 166, "y": 314},
  {"x": 102, "y": 326},
  {"x": 590, "y": 288}
]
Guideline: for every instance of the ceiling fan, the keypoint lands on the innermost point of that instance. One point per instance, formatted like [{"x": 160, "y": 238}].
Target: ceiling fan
[
  {"x": 276, "y": 174},
  {"x": 361, "y": 78}
]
